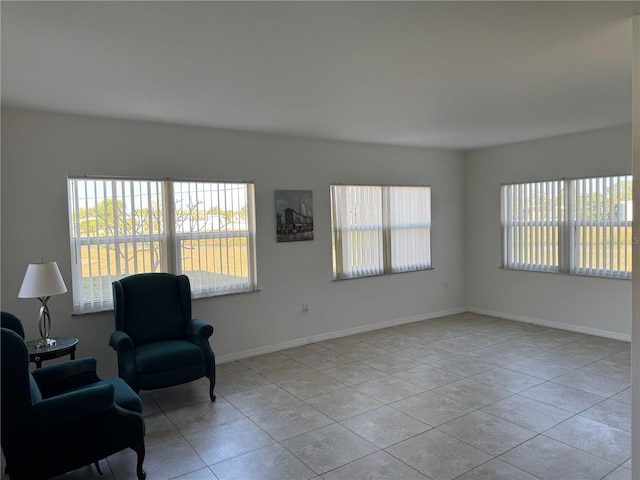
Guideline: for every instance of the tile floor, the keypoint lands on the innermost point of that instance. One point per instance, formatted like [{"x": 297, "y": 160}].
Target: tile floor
[{"x": 459, "y": 397}]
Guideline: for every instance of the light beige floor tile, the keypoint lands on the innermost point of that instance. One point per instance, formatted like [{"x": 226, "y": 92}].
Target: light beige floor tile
[
  {"x": 257, "y": 400},
  {"x": 162, "y": 461},
  {"x": 149, "y": 406},
  {"x": 490, "y": 434},
  {"x": 391, "y": 363},
  {"x": 563, "y": 397},
  {"x": 615, "y": 369},
  {"x": 496, "y": 356},
  {"x": 268, "y": 463},
  {"x": 592, "y": 383},
  {"x": 520, "y": 347},
  {"x": 619, "y": 473},
  {"x": 379, "y": 466},
  {"x": 328, "y": 447},
  {"x": 385, "y": 426},
  {"x": 303, "y": 350},
  {"x": 566, "y": 359},
  {"x": 324, "y": 360},
  {"x": 388, "y": 389},
  {"x": 528, "y": 413},
  {"x": 229, "y": 440},
  {"x": 358, "y": 351},
  {"x": 594, "y": 350},
  {"x": 549, "y": 459},
  {"x": 431, "y": 408},
  {"x": 428, "y": 377},
  {"x": 455, "y": 345},
  {"x": 611, "y": 412},
  {"x": 339, "y": 342},
  {"x": 599, "y": 439},
  {"x": 507, "y": 379},
  {"x": 393, "y": 343},
  {"x": 158, "y": 428},
  {"x": 425, "y": 353},
  {"x": 240, "y": 382},
  {"x": 353, "y": 373},
  {"x": 472, "y": 393},
  {"x": 229, "y": 368},
  {"x": 260, "y": 360},
  {"x": 624, "y": 396},
  {"x": 496, "y": 470},
  {"x": 201, "y": 474},
  {"x": 463, "y": 365},
  {"x": 307, "y": 386},
  {"x": 428, "y": 352},
  {"x": 343, "y": 403},
  {"x": 278, "y": 371},
  {"x": 181, "y": 395},
  {"x": 538, "y": 368},
  {"x": 203, "y": 415},
  {"x": 438, "y": 455},
  {"x": 290, "y": 420}
]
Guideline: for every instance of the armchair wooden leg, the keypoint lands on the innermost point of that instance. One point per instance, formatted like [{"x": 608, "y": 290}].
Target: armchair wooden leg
[
  {"x": 139, "y": 449},
  {"x": 212, "y": 383}
]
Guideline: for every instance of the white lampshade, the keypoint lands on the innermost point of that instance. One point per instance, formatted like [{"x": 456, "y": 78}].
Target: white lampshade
[{"x": 42, "y": 280}]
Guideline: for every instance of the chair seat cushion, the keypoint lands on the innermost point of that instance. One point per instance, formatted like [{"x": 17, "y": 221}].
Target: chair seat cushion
[
  {"x": 123, "y": 394},
  {"x": 167, "y": 355}
]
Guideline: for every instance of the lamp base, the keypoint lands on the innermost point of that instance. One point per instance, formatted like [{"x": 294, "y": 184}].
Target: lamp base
[{"x": 46, "y": 343}]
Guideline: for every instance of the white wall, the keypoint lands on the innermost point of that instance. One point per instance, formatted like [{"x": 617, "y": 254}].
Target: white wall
[
  {"x": 592, "y": 305},
  {"x": 40, "y": 149}
]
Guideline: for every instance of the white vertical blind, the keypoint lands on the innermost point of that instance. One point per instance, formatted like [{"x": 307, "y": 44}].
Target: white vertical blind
[
  {"x": 531, "y": 213},
  {"x": 119, "y": 227},
  {"x": 357, "y": 230},
  {"x": 115, "y": 230},
  {"x": 602, "y": 215},
  {"x": 213, "y": 236},
  {"x": 410, "y": 227},
  {"x": 380, "y": 229},
  {"x": 580, "y": 226}
]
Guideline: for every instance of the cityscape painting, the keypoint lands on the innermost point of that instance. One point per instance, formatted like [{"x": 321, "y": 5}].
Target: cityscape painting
[{"x": 294, "y": 215}]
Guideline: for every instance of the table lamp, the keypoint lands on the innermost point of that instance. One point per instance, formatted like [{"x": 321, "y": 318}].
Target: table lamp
[{"x": 41, "y": 281}]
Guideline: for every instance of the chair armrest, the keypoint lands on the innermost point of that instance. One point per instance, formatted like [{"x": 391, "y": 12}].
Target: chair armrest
[
  {"x": 197, "y": 330},
  {"x": 120, "y": 341},
  {"x": 62, "y": 377},
  {"x": 71, "y": 406}
]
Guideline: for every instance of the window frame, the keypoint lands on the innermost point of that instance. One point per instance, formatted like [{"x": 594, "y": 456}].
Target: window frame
[
  {"x": 567, "y": 243},
  {"x": 383, "y": 248},
  {"x": 168, "y": 238}
]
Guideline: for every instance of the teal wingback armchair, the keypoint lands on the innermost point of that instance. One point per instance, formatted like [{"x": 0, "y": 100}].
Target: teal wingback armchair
[
  {"x": 62, "y": 417},
  {"x": 157, "y": 342}
]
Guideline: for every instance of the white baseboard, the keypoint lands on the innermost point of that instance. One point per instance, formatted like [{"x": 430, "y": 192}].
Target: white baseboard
[
  {"x": 549, "y": 323},
  {"x": 230, "y": 357}
]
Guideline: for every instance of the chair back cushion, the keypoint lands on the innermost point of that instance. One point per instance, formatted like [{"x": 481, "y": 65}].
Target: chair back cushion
[
  {"x": 19, "y": 389},
  {"x": 152, "y": 307},
  {"x": 10, "y": 321}
]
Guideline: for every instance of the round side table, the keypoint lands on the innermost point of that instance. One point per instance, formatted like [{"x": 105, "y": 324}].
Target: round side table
[{"x": 64, "y": 346}]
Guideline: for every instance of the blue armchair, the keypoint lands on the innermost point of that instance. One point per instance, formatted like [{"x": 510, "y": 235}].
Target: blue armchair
[
  {"x": 157, "y": 342},
  {"x": 62, "y": 417}
]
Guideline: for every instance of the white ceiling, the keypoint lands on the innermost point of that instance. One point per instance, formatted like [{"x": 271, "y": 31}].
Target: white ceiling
[{"x": 443, "y": 74}]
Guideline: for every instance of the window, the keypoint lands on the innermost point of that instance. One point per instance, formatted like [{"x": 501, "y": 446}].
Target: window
[
  {"x": 580, "y": 226},
  {"x": 120, "y": 227},
  {"x": 380, "y": 229}
]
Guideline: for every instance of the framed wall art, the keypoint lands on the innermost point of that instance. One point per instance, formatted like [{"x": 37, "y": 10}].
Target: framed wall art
[{"x": 294, "y": 215}]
